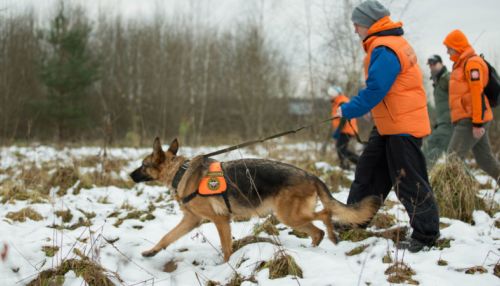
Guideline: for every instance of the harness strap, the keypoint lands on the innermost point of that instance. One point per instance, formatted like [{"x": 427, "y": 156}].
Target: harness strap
[
  {"x": 226, "y": 201},
  {"x": 178, "y": 175},
  {"x": 191, "y": 196}
]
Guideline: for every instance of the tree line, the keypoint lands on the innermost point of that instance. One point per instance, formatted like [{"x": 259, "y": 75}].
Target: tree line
[{"x": 76, "y": 79}]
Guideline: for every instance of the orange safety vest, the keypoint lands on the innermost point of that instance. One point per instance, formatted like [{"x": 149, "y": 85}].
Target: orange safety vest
[
  {"x": 404, "y": 109},
  {"x": 350, "y": 129},
  {"x": 467, "y": 82},
  {"x": 213, "y": 183}
]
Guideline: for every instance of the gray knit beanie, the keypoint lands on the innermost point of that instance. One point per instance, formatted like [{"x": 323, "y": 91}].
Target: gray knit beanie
[{"x": 369, "y": 12}]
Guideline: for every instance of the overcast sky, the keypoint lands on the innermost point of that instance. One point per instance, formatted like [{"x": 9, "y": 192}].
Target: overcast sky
[{"x": 426, "y": 22}]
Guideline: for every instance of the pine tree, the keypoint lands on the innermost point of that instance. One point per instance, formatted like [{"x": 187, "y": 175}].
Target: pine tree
[{"x": 68, "y": 70}]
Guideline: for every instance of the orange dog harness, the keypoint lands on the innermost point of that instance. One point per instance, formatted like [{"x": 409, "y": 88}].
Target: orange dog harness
[{"x": 213, "y": 183}]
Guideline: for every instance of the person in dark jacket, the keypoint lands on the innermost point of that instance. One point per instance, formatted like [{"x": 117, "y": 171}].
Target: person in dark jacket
[{"x": 437, "y": 143}]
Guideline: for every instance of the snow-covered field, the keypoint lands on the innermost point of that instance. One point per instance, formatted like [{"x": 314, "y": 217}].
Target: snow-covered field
[{"x": 196, "y": 258}]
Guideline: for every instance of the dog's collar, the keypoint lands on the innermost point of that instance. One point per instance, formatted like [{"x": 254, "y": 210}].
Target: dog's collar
[{"x": 178, "y": 175}]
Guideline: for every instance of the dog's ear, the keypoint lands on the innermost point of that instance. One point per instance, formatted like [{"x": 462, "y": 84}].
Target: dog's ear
[
  {"x": 174, "y": 146},
  {"x": 158, "y": 155}
]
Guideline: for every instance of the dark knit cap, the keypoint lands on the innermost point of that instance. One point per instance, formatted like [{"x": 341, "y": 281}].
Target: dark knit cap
[
  {"x": 369, "y": 12},
  {"x": 434, "y": 59}
]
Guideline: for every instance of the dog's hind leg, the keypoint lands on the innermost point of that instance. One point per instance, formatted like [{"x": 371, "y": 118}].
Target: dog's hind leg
[
  {"x": 298, "y": 213},
  {"x": 188, "y": 223},
  {"x": 224, "y": 229},
  {"x": 326, "y": 217},
  {"x": 315, "y": 233}
]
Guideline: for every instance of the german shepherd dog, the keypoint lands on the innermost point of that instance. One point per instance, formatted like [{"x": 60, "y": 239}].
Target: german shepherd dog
[{"x": 255, "y": 187}]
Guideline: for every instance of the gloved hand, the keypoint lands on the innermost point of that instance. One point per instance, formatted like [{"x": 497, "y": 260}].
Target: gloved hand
[{"x": 339, "y": 111}]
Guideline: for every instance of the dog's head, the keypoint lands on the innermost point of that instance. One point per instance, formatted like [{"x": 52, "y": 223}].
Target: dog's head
[{"x": 153, "y": 165}]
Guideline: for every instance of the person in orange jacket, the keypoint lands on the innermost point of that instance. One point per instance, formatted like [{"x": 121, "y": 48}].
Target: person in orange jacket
[
  {"x": 395, "y": 96},
  {"x": 343, "y": 130},
  {"x": 471, "y": 113}
]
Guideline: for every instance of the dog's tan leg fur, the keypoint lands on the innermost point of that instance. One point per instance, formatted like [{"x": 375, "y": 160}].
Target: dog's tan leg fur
[
  {"x": 296, "y": 209},
  {"x": 188, "y": 223},
  {"x": 223, "y": 226},
  {"x": 326, "y": 217}
]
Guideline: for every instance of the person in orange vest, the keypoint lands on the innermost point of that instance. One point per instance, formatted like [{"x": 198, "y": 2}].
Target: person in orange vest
[
  {"x": 471, "y": 113},
  {"x": 343, "y": 130},
  {"x": 395, "y": 95}
]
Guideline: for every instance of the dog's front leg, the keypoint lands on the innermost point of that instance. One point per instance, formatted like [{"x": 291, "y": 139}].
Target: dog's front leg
[
  {"x": 188, "y": 223},
  {"x": 224, "y": 228}
]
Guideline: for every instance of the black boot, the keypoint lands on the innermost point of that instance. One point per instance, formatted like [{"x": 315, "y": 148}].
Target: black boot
[{"x": 413, "y": 245}]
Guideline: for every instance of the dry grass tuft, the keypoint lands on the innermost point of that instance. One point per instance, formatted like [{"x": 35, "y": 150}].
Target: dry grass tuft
[
  {"x": 236, "y": 280},
  {"x": 357, "y": 250},
  {"x": 80, "y": 223},
  {"x": 50, "y": 250},
  {"x": 355, "y": 235},
  {"x": 268, "y": 226},
  {"x": 237, "y": 244},
  {"x": 476, "y": 269},
  {"x": 394, "y": 234},
  {"x": 66, "y": 215},
  {"x": 442, "y": 262},
  {"x": 281, "y": 265},
  {"x": 23, "y": 214},
  {"x": 298, "y": 234},
  {"x": 34, "y": 178},
  {"x": 359, "y": 234},
  {"x": 135, "y": 214},
  {"x": 336, "y": 179},
  {"x": 389, "y": 204},
  {"x": 170, "y": 266},
  {"x": 14, "y": 191},
  {"x": 387, "y": 258},
  {"x": 455, "y": 190},
  {"x": 64, "y": 177},
  {"x": 382, "y": 220},
  {"x": 400, "y": 273},
  {"x": 443, "y": 225},
  {"x": 91, "y": 272},
  {"x": 443, "y": 243}
]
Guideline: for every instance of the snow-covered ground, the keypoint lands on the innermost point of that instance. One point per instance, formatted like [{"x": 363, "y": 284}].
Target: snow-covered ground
[{"x": 197, "y": 256}]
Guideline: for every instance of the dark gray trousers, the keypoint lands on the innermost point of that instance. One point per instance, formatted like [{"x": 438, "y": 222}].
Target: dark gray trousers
[
  {"x": 462, "y": 142},
  {"x": 397, "y": 161}
]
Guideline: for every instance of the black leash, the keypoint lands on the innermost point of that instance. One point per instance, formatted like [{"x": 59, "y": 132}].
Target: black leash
[
  {"x": 178, "y": 175},
  {"x": 356, "y": 134},
  {"x": 248, "y": 143}
]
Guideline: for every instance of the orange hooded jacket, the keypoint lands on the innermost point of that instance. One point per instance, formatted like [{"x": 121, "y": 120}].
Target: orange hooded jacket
[
  {"x": 404, "y": 109},
  {"x": 467, "y": 82},
  {"x": 349, "y": 129}
]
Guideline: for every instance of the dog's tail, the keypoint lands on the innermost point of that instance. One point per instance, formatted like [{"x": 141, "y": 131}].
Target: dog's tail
[{"x": 358, "y": 213}]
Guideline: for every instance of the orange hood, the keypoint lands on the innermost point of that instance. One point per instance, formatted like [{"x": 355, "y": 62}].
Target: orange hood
[{"x": 457, "y": 41}]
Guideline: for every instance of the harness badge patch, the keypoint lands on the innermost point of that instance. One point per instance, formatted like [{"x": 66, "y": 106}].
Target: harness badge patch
[{"x": 213, "y": 184}]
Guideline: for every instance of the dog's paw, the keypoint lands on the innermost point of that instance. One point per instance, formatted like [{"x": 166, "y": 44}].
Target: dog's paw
[{"x": 150, "y": 253}]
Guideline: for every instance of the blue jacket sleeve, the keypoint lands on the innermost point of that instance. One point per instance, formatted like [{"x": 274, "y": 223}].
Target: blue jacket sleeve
[{"x": 382, "y": 72}]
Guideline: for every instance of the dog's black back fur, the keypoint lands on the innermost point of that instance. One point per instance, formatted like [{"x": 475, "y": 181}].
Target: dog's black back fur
[{"x": 244, "y": 175}]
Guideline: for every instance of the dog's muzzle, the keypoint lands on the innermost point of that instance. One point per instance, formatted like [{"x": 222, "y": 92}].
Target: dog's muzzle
[{"x": 139, "y": 176}]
